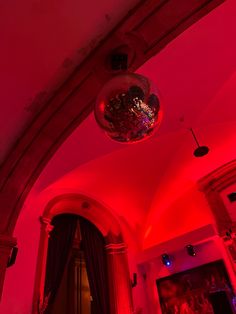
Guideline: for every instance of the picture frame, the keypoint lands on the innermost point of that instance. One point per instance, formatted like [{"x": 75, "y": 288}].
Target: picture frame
[{"x": 205, "y": 289}]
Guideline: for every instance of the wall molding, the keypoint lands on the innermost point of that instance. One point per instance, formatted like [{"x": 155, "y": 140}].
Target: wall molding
[{"x": 212, "y": 185}]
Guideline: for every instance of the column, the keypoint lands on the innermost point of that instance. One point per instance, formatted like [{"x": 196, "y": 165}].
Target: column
[
  {"x": 119, "y": 279},
  {"x": 46, "y": 228},
  {"x": 6, "y": 244}
]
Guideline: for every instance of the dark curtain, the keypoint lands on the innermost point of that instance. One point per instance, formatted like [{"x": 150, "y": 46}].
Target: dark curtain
[
  {"x": 93, "y": 245},
  {"x": 59, "y": 248}
]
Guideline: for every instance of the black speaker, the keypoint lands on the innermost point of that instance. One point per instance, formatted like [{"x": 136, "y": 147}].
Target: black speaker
[
  {"x": 220, "y": 302},
  {"x": 232, "y": 197},
  {"x": 191, "y": 250}
]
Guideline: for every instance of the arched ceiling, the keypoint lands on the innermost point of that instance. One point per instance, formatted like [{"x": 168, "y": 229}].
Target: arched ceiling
[
  {"x": 148, "y": 186},
  {"x": 196, "y": 78},
  {"x": 195, "y": 75},
  {"x": 41, "y": 42}
]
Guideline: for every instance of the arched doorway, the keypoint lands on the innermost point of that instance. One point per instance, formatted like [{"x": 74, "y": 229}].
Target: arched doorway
[{"x": 119, "y": 286}]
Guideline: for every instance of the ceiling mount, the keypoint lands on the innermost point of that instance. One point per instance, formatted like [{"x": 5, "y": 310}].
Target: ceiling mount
[
  {"x": 120, "y": 59},
  {"x": 200, "y": 151}
]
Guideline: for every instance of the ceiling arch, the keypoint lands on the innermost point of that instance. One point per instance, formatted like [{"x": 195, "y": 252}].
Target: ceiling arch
[{"x": 59, "y": 114}]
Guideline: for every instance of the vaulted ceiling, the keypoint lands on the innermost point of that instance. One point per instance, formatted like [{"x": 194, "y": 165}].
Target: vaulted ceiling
[
  {"x": 150, "y": 187},
  {"x": 195, "y": 75},
  {"x": 41, "y": 42}
]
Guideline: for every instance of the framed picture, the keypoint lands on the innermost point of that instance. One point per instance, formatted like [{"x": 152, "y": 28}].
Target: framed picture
[{"x": 202, "y": 290}]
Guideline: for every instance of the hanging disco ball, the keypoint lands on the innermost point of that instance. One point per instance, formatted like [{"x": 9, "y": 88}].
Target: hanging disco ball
[{"x": 128, "y": 108}]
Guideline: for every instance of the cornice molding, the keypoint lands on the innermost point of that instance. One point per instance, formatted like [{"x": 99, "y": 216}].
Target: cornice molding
[
  {"x": 219, "y": 179},
  {"x": 117, "y": 248}
]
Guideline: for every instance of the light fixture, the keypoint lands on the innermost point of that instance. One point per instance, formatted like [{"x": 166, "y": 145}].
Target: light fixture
[
  {"x": 128, "y": 106},
  {"x": 200, "y": 151},
  {"x": 191, "y": 250},
  {"x": 166, "y": 260}
]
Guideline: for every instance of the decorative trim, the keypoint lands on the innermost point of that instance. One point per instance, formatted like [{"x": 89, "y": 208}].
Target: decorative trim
[
  {"x": 220, "y": 178},
  {"x": 97, "y": 213},
  {"x": 212, "y": 185},
  {"x": 46, "y": 225},
  {"x": 39, "y": 301},
  {"x": 117, "y": 248}
]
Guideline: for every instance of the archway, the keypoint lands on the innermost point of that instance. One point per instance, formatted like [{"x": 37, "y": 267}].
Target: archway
[{"x": 120, "y": 296}]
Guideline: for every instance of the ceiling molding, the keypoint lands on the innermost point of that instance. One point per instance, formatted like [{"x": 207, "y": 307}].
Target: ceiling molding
[
  {"x": 84, "y": 206},
  {"x": 219, "y": 179}
]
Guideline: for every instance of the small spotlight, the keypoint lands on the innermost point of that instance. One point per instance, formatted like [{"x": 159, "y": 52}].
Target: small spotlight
[
  {"x": 166, "y": 260},
  {"x": 190, "y": 250}
]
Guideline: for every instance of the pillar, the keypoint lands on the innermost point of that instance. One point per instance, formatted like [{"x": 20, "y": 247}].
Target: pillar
[
  {"x": 38, "y": 300},
  {"x": 119, "y": 279}
]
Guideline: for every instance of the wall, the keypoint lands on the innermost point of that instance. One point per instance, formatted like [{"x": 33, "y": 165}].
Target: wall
[
  {"x": 190, "y": 220},
  {"x": 172, "y": 219},
  {"x": 19, "y": 281},
  {"x": 176, "y": 210}
]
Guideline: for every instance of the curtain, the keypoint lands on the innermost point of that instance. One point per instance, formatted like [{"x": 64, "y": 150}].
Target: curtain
[
  {"x": 59, "y": 248},
  {"x": 93, "y": 245}
]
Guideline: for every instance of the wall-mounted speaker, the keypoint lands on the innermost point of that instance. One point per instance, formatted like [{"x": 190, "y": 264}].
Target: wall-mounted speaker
[
  {"x": 191, "y": 250},
  {"x": 12, "y": 257},
  {"x": 232, "y": 197}
]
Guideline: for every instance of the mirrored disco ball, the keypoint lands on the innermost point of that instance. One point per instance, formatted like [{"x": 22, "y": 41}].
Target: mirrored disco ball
[{"x": 128, "y": 108}]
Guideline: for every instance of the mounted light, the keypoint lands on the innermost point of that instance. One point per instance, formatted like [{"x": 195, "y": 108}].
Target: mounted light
[
  {"x": 200, "y": 151},
  {"x": 191, "y": 250},
  {"x": 166, "y": 260}
]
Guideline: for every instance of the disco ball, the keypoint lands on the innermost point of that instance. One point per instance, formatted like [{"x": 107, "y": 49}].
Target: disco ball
[{"x": 128, "y": 108}]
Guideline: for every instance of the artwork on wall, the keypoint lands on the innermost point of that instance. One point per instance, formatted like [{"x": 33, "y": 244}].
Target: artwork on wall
[{"x": 202, "y": 290}]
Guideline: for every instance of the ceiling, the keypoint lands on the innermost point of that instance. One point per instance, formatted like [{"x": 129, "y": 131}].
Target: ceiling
[
  {"x": 41, "y": 42},
  {"x": 196, "y": 76},
  {"x": 149, "y": 186}
]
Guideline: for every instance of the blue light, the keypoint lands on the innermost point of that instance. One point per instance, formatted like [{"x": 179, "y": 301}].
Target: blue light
[{"x": 166, "y": 260}]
